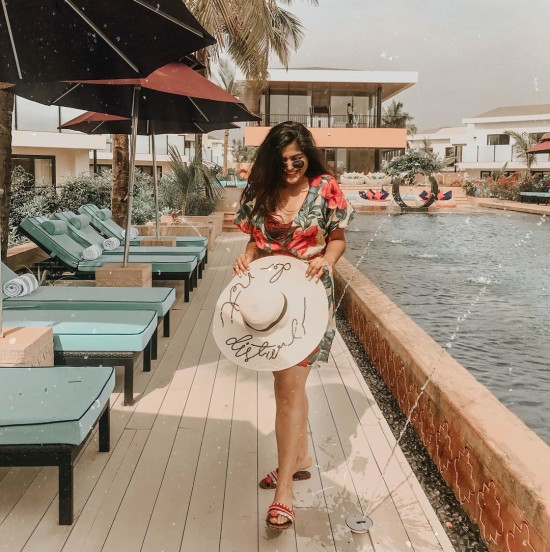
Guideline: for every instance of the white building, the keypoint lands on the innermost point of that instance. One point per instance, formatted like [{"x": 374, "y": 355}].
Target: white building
[
  {"x": 481, "y": 145},
  {"x": 52, "y": 155}
]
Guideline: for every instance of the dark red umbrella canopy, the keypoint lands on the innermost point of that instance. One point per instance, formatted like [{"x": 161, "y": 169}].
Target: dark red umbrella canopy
[
  {"x": 103, "y": 123},
  {"x": 79, "y": 39},
  {"x": 543, "y": 146},
  {"x": 174, "y": 91}
]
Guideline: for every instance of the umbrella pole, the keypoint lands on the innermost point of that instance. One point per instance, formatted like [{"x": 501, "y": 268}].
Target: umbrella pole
[
  {"x": 132, "y": 171},
  {"x": 155, "y": 180}
]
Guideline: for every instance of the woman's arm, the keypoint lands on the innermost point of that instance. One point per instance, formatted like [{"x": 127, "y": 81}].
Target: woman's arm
[
  {"x": 252, "y": 252},
  {"x": 336, "y": 246}
]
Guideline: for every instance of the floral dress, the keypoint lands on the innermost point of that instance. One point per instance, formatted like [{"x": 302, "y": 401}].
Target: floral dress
[{"x": 325, "y": 209}]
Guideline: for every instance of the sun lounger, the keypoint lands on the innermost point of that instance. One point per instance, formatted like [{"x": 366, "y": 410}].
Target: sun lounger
[
  {"x": 159, "y": 299},
  {"x": 532, "y": 196},
  {"x": 46, "y": 416},
  {"x": 79, "y": 228},
  {"x": 101, "y": 219},
  {"x": 52, "y": 237},
  {"x": 95, "y": 337}
]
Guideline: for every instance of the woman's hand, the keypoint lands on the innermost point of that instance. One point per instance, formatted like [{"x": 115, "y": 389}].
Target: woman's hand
[
  {"x": 241, "y": 263},
  {"x": 317, "y": 266}
]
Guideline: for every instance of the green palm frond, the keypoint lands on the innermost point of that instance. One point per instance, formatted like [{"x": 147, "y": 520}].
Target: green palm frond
[{"x": 523, "y": 141}]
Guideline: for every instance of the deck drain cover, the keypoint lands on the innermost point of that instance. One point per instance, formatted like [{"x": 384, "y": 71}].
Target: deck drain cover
[{"x": 359, "y": 524}]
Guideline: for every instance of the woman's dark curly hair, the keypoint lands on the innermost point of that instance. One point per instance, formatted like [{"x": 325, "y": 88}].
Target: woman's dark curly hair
[{"x": 266, "y": 175}]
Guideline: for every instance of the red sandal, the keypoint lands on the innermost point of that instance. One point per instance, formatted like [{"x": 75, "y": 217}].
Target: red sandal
[
  {"x": 278, "y": 509},
  {"x": 270, "y": 480}
]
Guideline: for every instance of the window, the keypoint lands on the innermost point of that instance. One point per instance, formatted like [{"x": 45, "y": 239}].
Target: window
[
  {"x": 148, "y": 169},
  {"x": 458, "y": 153},
  {"x": 536, "y": 136},
  {"x": 41, "y": 167},
  {"x": 498, "y": 140}
]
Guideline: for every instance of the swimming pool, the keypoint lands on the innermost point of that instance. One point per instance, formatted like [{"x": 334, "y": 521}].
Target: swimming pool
[{"x": 480, "y": 282}]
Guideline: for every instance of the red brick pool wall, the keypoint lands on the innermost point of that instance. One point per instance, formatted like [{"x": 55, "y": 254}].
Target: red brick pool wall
[{"x": 498, "y": 468}]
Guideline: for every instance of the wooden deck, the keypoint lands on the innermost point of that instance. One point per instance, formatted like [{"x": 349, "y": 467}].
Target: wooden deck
[{"x": 185, "y": 460}]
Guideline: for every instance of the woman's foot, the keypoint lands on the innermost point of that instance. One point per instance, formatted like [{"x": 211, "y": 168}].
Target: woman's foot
[
  {"x": 270, "y": 480},
  {"x": 274, "y": 516}
]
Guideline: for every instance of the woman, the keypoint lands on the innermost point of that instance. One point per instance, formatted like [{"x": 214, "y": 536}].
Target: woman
[{"x": 293, "y": 206}]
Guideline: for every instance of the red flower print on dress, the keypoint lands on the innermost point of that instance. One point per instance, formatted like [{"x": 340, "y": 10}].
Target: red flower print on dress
[
  {"x": 244, "y": 226},
  {"x": 302, "y": 240},
  {"x": 259, "y": 237},
  {"x": 333, "y": 194},
  {"x": 315, "y": 182}
]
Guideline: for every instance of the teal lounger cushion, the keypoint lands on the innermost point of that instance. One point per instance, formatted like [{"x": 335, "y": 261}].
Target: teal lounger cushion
[
  {"x": 90, "y": 331},
  {"x": 52, "y": 404},
  {"x": 78, "y": 227},
  {"x": 69, "y": 252},
  {"x": 159, "y": 299},
  {"x": 108, "y": 227}
]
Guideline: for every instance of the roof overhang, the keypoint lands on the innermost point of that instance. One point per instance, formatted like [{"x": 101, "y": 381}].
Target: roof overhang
[{"x": 347, "y": 81}]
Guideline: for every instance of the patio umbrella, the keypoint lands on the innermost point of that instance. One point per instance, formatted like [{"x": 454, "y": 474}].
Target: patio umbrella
[
  {"x": 48, "y": 40},
  {"x": 542, "y": 146},
  {"x": 103, "y": 123},
  {"x": 173, "y": 92}
]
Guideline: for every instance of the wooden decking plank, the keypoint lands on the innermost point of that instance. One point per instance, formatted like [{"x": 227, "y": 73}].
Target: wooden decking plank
[
  {"x": 22, "y": 520},
  {"x": 130, "y": 524},
  {"x": 204, "y": 519},
  {"x": 338, "y": 489},
  {"x": 48, "y": 535},
  {"x": 13, "y": 486},
  {"x": 240, "y": 509},
  {"x": 170, "y": 513},
  {"x": 147, "y": 408},
  {"x": 123, "y": 459},
  {"x": 433, "y": 533},
  {"x": 377, "y": 497},
  {"x": 268, "y": 540}
]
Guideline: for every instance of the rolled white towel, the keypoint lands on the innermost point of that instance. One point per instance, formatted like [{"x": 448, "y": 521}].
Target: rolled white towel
[
  {"x": 111, "y": 243},
  {"x": 91, "y": 253},
  {"x": 22, "y": 285},
  {"x": 134, "y": 233}
]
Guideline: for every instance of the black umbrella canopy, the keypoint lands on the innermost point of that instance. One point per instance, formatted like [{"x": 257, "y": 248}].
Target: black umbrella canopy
[
  {"x": 174, "y": 91},
  {"x": 48, "y": 40},
  {"x": 103, "y": 123}
]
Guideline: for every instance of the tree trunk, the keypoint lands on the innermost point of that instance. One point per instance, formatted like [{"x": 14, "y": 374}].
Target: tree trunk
[
  {"x": 225, "y": 148},
  {"x": 6, "y": 112},
  {"x": 121, "y": 175},
  {"x": 198, "y": 149}
]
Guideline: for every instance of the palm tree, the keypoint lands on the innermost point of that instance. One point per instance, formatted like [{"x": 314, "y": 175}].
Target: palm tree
[
  {"x": 250, "y": 31},
  {"x": 522, "y": 143},
  {"x": 6, "y": 113},
  {"x": 394, "y": 116},
  {"x": 227, "y": 80}
]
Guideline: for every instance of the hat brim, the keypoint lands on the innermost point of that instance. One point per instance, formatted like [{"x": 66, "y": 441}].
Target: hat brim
[{"x": 285, "y": 344}]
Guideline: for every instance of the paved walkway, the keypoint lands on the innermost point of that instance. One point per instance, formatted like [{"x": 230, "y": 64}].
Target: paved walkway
[{"x": 186, "y": 458}]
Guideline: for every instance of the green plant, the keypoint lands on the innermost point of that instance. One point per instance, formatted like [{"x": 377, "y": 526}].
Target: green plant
[
  {"x": 411, "y": 163},
  {"x": 28, "y": 200},
  {"x": 85, "y": 188},
  {"x": 194, "y": 189}
]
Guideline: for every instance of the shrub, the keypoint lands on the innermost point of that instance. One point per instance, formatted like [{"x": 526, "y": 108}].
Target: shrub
[
  {"x": 86, "y": 188},
  {"x": 28, "y": 200},
  {"x": 413, "y": 162}
]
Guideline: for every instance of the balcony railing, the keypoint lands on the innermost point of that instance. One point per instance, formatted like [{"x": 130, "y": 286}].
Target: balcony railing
[
  {"x": 496, "y": 154},
  {"x": 320, "y": 120}
]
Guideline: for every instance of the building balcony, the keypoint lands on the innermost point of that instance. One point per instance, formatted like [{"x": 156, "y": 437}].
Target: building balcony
[{"x": 478, "y": 155}]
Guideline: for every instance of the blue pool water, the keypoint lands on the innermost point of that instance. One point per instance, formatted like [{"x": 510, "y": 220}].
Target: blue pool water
[{"x": 484, "y": 278}]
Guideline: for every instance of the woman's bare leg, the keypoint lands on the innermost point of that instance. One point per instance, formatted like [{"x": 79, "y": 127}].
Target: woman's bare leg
[{"x": 290, "y": 429}]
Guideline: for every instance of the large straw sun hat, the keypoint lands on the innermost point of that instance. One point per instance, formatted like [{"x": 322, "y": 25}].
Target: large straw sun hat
[{"x": 272, "y": 317}]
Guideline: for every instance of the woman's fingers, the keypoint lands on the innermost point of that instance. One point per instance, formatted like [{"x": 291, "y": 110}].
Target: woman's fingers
[{"x": 241, "y": 265}]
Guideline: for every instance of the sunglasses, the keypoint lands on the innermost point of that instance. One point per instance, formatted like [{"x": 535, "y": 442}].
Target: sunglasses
[{"x": 296, "y": 164}]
